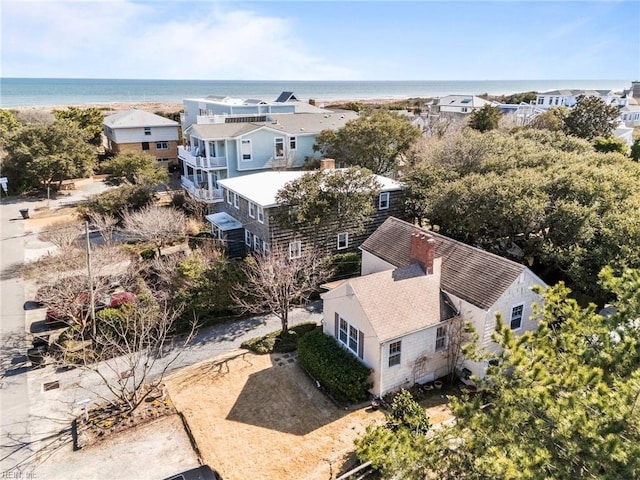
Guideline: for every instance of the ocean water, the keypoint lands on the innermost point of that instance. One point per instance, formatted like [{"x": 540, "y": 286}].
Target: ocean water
[{"x": 23, "y": 92}]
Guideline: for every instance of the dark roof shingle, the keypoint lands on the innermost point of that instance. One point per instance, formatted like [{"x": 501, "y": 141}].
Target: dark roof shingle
[{"x": 472, "y": 274}]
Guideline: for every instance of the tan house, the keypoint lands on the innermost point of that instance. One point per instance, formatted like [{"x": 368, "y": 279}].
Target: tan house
[
  {"x": 139, "y": 131},
  {"x": 396, "y": 316}
]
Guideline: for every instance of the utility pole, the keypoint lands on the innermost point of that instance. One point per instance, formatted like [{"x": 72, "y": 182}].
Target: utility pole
[{"x": 92, "y": 308}]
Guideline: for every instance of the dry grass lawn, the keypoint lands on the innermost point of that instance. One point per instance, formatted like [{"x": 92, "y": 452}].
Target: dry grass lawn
[{"x": 262, "y": 417}]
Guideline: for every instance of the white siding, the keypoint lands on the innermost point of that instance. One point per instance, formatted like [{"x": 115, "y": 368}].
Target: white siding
[
  {"x": 373, "y": 264},
  {"x": 136, "y": 135}
]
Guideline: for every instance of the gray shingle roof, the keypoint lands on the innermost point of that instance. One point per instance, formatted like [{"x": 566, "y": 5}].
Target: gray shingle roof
[
  {"x": 137, "y": 118},
  {"x": 397, "y": 307},
  {"x": 291, "y": 123},
  {"x": 474, "y": 275}
]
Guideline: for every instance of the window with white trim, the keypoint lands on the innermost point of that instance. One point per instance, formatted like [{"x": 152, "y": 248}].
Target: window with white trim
[
  {"x": 516, "y": 316},
  {"x": 353, "y": 339},
  {"x": 260, "y": 214},
  {"x": 256, "y": 243},
  {"x": 147, "y": 130},
  {"x": 344, "y": 331},
  {"x": 162, "y": 145},
  {"x": 252, "y": 210},
  {"x": 295, "y": 249},
  {"x": 343, "y": 240},
  {"x": 349, "y": 336},
  {"x": 279, "y": 147},
  {"x": 228, "y": 196},
  {"x": 293, "y": 143},
  {"x": 383, "y": 201},
  {"x": 265, "y": 248},
  {"x": 441, "y": 338},
  {"x": 245, "y": 148},
  {"x": 247, "y": 237},
  {"x": 395, "y": 353},
  {"x": 236, "y": 201}
]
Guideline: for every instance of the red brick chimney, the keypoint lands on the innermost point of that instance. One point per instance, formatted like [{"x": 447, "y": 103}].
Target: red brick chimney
[
  {"x": 327, "y": 164},
  {"x": 423, "y": 250}
]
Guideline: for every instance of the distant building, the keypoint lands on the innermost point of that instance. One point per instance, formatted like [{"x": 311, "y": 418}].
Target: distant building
[
  {"x": 139, "y": 131},
  {"x": 234, "y": 137},
  {"x": 462, "y": 104},
  {"x": 568, "y": 98}
]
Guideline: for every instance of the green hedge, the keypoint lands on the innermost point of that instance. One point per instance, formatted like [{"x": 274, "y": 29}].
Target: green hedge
[
  {"x": 339, "y": 372},
  {"x": 276, "y": 342}
]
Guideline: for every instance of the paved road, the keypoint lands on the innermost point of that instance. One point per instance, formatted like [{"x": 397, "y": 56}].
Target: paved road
[{"x": 35, "y": 420}]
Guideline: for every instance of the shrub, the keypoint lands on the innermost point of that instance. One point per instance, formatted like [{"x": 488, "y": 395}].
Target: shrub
[
  {"x": 277, "y": 342},
  {"x": 148, "y": 253},
  {"x": 339, "y": 372},
  {"x": 115, "y": 201},
  {"x": 345, "y": 265}
]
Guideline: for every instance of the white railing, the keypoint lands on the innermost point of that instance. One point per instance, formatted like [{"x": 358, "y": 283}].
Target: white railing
[
  {"x": 199, "y": 192},
  {"x": 189, "y": 155}
]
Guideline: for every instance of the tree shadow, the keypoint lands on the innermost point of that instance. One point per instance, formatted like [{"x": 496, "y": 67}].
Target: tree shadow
[
  {"x": 14, "y": 270},
  {"x": 283, "y": 398}
]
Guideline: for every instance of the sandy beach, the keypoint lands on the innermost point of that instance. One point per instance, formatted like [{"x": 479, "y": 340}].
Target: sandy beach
[{"x": 173, "y": 107}]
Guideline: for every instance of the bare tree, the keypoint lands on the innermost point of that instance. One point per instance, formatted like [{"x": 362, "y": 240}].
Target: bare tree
[
  {"x": 62, "y": 234},
  {"x": 459, "y": 334},
  {"x": 276, "y": 282},
  {"x": 158, "y": 225},
  {"x": 443, "y": 124},
  {"x": 133, "y": 350},
  {"x": 65, "y": 291},
  {"x": 105, "y": 224}
]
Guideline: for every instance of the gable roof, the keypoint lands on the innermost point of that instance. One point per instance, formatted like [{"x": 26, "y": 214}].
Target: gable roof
[
  {"x": 396, "y": 305},
  {"x": 262, "y": 187},
  {"x": 285, "y": 97},
  {"x": 137, "y": 118},
  {"x": 474, "y": 275}
]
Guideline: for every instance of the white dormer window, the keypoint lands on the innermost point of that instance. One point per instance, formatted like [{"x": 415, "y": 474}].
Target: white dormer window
[
  {"x": 229, "y": 197},
  {"x": 236, "y": 201},
  {"x": 260, "y": 214},
  {"x": 252, "y": 210},
  {"x": 383, "y": 201}
]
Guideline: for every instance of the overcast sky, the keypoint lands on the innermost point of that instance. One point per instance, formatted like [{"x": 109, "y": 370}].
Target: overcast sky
[{"x": 329, "y": 40}]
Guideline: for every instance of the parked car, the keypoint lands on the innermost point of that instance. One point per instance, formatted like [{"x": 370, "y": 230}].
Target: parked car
[{"x": 203, "y": 472}]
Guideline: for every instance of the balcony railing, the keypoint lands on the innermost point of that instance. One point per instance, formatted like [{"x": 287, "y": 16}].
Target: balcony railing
[
  {"x": 200, "y": 191},
  {"x": 199, "y": 161}
]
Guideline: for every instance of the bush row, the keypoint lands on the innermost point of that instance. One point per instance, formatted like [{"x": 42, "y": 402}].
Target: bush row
[
  {"x": 277, "y": 342},
  {"x": 339, "y": 372}
]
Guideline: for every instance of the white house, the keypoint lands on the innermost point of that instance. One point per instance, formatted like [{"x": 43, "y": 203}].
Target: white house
[
  {"x": 414, "y": 282},
  {"x": 568, "y": 98},
  {"x": 463, "y": 104},
  {"x": 139, "y": 131}
]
